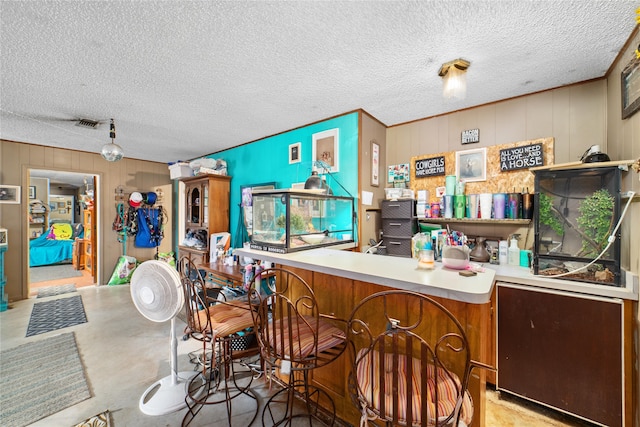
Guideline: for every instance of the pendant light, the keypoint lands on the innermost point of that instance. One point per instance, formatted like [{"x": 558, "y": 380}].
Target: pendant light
[
  {"x": 454, "y": 79},
  {"x": 112, "y": 152}
]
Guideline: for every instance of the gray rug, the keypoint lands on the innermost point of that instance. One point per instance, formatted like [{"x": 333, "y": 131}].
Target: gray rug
[
  {"x": 56, "y": 290},
  {"x": 39, "y": 379},
  {"x": 52, "y": 272},
  {"x": 56, "y": 314}
]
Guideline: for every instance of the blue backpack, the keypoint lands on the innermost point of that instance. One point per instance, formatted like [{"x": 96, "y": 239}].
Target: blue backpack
[{"x": 149, "y": 233}]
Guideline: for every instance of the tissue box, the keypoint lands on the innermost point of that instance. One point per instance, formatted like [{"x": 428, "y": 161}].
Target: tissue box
[{"x": 180, "y": 170}]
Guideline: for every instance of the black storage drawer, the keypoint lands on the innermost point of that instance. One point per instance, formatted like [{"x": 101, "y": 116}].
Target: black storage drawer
[
  {"x": 399, "y": 227},
  {"x": 398, "y": 246},
  {"x": 398, "y": 208}
]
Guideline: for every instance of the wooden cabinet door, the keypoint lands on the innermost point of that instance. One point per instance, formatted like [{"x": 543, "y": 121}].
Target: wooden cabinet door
[{"x": 562, "y": 349}]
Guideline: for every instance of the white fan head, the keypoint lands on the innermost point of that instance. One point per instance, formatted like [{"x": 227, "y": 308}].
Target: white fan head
[{"x": 156, "y": 290}]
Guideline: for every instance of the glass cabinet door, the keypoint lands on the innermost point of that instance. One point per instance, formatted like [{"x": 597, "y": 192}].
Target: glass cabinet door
[
  {"x": 194, "y": 211},
  {"x": 205, "y": 204}
]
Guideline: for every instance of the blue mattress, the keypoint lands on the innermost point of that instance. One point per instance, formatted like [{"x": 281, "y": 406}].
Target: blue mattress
[{"x": 43, "y": 251}]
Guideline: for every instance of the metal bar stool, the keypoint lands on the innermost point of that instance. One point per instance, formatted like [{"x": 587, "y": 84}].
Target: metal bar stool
[
  {"x": 410, "y": 362},
  {"x": 219, "y": 325},
  {"x": 295, "y": 338}
]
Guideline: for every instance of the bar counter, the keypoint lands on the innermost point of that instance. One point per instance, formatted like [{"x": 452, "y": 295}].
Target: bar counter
[
  {"x": 340, "y": 279},
  {"x": 393, "y": 272}
]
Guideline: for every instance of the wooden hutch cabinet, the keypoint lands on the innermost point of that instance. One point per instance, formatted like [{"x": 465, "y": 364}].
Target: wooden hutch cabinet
[{"x": 206, "y": 210}]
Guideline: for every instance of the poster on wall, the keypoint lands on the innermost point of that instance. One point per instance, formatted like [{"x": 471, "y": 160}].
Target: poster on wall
[
  {"x": 433, "y": 166},
  {"x": 524, "y": 157},
  {"x": 398, "y": 173}
]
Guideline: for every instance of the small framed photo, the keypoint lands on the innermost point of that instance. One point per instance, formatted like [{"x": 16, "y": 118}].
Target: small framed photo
[
  {"x": 630, "y": 79},
  {"x": 10, "y": 194},
  {"x": 325, "y": 150},
  {"x": 375, "y": 164},
  {"x": 295, "y": 153},
  {"x": 32, "y": 192},
  {"x": 471, "y": 165}
]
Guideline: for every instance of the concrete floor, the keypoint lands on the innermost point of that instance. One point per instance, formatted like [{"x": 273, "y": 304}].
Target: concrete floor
[{"x": 124, "y": 353}]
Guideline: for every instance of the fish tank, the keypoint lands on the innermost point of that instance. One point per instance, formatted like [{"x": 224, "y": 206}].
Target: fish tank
[
  {"x": 289, "y": 220},
  {"x": 575, "y": 212}
]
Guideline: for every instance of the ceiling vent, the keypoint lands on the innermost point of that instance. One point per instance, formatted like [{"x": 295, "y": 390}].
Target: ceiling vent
[{"x": 86, "y": 123}]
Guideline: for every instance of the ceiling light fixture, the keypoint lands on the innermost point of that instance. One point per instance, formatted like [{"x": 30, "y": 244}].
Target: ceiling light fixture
[
  {"x": 111, "y": 151},
  {"x": 454, "y": 78}
]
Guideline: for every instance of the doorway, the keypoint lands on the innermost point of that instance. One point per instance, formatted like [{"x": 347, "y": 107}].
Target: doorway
[{"x": 62, "y": 229}]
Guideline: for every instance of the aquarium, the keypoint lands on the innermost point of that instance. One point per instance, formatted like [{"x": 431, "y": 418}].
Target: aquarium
[
  {"x": 575, "y": 212},
  {"x": 292, "y": 220}
]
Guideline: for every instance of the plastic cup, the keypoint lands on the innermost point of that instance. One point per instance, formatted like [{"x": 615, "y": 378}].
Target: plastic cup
[
  {"x": 472, "y": 204},
  {"x": 459, "y": 205},
  {"x": 448, "y": 205},
  {"x": 450, "y": 185},
  {"x": 513, "y": 207},
  {"x": 527, "y": 206},
  {"x": 499, "y": 204},
  {"x": 485, "y": 205}
]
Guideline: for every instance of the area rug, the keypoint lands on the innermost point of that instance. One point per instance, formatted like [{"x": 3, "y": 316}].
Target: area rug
[
  {"x": 52, "y": 272},
  {"x": 56, "y": 290},
  {"x": 56, "y": 314},
  {"x": 40, "y": 378},
  {"x": 100, "y": 420}
]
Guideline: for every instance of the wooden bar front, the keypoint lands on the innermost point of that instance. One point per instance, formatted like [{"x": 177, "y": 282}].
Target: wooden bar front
[{"x": 338, "y": 295}]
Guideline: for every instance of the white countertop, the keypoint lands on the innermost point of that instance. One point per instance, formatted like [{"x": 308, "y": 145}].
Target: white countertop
[
  {"x": 395, "y": 272},
  {"x": 402, "y": 273},
  {"x": 525, "y": 276}
]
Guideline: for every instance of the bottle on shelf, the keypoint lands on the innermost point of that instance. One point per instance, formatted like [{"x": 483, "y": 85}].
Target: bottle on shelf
[
  {"x": 514, "y": 251},
  {"x": 503, "y": 253}
]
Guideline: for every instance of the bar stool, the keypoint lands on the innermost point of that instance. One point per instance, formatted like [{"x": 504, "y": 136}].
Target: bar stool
[
  {"x": 218, "y": 324},
  {"x": 294, "y": 338},
  {"x": 410, "y": 361}
]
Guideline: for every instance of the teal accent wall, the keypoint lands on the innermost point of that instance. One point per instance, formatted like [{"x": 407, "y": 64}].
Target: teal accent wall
[{"x": 267, "y": 160}]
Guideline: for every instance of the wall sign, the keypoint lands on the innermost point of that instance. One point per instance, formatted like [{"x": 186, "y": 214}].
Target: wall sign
[
  {"x": 429, "y": 167},
  {"x": 524, "y": 157},
  {"x": 470, "y": 135}
]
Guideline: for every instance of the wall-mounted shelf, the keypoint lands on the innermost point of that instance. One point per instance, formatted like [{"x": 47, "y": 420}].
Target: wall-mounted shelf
[{"x": 476, "y": 221}]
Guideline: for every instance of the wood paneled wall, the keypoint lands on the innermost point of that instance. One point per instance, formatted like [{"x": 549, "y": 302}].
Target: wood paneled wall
[{"x": 135, "y": 175}]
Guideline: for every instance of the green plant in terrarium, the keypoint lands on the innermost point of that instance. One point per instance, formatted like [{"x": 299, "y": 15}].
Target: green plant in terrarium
[
  {"x": 297, "y": 222},
  {"x": 596, "y": 212},
  {"x": 549, "y": 215}
]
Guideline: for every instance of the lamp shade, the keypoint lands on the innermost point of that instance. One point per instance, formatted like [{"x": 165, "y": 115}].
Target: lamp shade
[{"x": 455, "y": 83}]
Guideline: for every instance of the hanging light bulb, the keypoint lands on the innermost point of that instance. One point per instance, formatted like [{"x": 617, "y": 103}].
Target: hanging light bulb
[{"x": 112, "y": 152}]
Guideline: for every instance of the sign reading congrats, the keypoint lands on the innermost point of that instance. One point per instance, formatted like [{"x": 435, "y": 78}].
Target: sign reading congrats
[
  {"x": 430, "y": 167},
  {"x": 521, "y": 157}
]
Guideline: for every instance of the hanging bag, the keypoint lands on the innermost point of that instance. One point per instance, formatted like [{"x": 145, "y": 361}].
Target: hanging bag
[{"x": 149, "y": 234}]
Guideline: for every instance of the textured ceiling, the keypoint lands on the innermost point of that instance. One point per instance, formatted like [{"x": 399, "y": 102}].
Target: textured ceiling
[{"x": 184, "y": 79}]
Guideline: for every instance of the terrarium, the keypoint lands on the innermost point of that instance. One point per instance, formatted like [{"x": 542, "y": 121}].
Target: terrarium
[
  {"x": 292, "y": 220},
  {"x": 575, "y": 212}
]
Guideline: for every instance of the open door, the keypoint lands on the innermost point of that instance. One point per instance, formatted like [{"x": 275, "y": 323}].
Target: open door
[{"x": 61, "y": 204}]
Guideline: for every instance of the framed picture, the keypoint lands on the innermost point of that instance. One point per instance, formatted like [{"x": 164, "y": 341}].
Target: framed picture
[
  {"x": 471, "y": 165},
  {"x": 630, "y": 80},
  {"x": 375, "y": 164},
  {"x": 32, "y": 191},
  {"x": 10, "y": 194},
  {"x": 295, "y": 154},
  {"x": 325, "y": 150},
  {"x": 398, "y": 173},
  {"x": 62, "y": 211}
]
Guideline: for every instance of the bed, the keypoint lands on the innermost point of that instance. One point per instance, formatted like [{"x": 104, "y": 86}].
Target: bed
[{"x": 55, "y": 246}]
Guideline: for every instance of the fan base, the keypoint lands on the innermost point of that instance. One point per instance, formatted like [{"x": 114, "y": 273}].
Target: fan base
[{"x": 163, "y": 397}]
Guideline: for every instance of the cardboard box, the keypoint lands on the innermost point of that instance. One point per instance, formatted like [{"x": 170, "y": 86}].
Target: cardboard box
[{"x": 180, "y": 170}]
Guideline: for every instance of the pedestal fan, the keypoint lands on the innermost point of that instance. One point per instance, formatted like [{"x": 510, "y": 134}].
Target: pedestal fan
[{"x": 157, "y": 293}]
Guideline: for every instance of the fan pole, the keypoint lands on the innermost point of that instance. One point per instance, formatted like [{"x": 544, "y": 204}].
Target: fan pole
[{"x": 168, "y": 394}]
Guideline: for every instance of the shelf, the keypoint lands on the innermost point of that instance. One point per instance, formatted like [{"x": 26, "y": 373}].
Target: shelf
[{"x": 476, "y": 221}]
